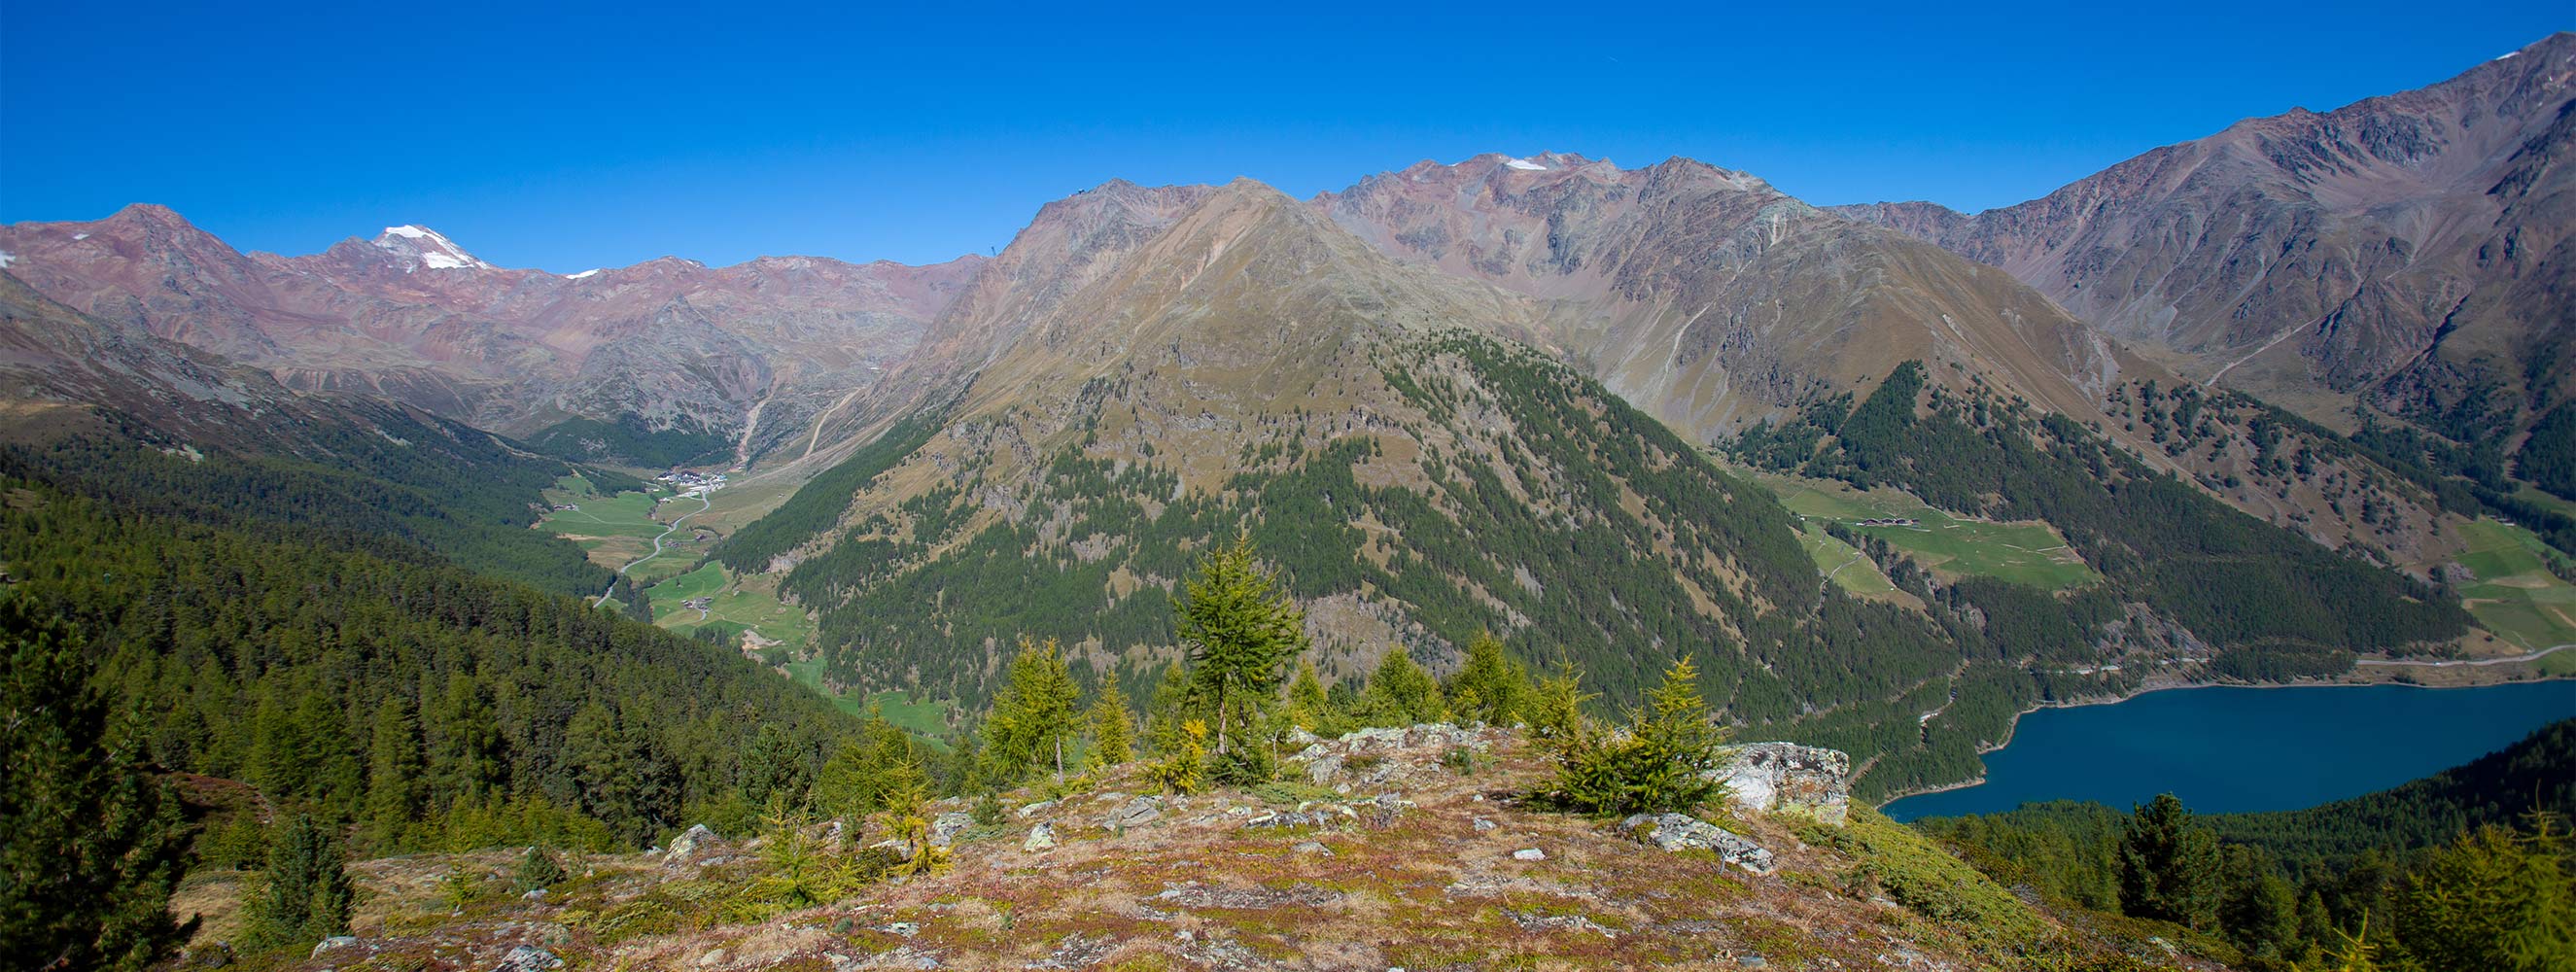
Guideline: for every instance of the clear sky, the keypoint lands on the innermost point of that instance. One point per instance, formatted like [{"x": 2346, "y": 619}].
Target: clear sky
[{"x": 568, "y": 137}]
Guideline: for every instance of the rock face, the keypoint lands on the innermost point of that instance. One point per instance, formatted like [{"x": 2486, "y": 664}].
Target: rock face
[
  {"x": 1778, "y": 777},
  {"x": 1675, "y": 832},
  {"x": 2410, "y": 251}
]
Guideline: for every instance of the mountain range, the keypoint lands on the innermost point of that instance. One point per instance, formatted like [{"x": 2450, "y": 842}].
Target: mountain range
[
  {"x": 1492, "y": 396},
  {"x": 2402, "y": 257}
]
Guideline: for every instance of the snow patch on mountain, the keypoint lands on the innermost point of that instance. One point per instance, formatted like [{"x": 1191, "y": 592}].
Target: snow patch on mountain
[
  {"x": 424, "y": 247},
  {"x": 1526, "y": 165},
  {"x": 7, "y": 258},
  {"x": 586, "y": 273}
]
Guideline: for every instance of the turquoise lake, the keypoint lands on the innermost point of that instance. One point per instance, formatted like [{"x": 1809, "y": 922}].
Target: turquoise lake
[{"x": 2225, "y": 750}]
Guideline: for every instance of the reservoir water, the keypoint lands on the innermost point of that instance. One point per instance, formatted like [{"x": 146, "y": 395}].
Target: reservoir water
[{"x": 2225, "y": 750}]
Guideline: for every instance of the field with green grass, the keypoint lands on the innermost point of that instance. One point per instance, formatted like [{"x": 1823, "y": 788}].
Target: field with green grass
[
  {"x": 2024, "y": 553},
  {"x": 1844, "y": 564},
  {"x": 618, "y": 530},
  {"x": 2514, "y": 594},
  {"x": 927, "y": 717},
  {"x": 734, "y": 606}
]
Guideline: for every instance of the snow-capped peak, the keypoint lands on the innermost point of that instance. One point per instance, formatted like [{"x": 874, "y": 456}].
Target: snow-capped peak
[
  {"x": 1526, "y": 165},
  {"x": 424, "y": 247},
  {"x": 577, "y": 276}
]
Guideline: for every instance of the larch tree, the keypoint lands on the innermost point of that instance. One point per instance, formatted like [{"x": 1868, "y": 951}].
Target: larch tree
[
  {"x": 1241, "y": 630},
  {"x": 1113, "y": 726},
  {"x": 1034, "y": 711}
]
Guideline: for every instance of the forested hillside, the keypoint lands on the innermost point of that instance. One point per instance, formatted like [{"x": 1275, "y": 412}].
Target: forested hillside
[
  {"x": 2382, "y": 870},
  {"x": 2270, "y": 603},
  {"x": 414, "y": 698}
]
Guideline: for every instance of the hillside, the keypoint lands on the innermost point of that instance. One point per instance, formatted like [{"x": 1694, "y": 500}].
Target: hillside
[
  {"x": 1714, "y": 302},
  {"x": 105, "y": 410},
  {"x": 1148, "y": 371},
  {"x": 2400, "y": 259}
]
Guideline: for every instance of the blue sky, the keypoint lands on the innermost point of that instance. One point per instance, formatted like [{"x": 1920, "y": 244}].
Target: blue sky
[{"x": 570, "y": 137}]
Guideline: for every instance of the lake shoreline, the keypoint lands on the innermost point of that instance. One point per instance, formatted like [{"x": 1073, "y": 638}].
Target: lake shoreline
[{"x": 2356, "y": 678}]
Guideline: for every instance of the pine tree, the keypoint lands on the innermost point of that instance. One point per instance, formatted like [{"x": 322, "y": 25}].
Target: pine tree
[
  {"x": 1175, "y": 702},
  {"x": 91, "y": 846},
  {"x": 1033, "y": 712},
  {"x": 1306, "y": 696},
  {"x": 394, "y": 770},
  {"x": 537, "y": 869},
  {"x": 2168, "y": 865},
  {"x": 865, "y": 774},
  {"x": 1556, "y": 707},
  {"x": 1113, "y": 727},
  {"x": 306, "y": 894},
  {"x": 1400, "y": 693},
  {"x": 2262, "y": 915},
  {"x": 1240, "y": 630},
  {"x": 1492, "y": 687}
]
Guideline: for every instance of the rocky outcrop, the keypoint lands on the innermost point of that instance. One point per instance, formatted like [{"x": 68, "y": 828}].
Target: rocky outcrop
[
  {"x": 697, "y": 840},
  {"x": 1388, "y": 753},
  {"x": 529, "y": 958},
  {"x": 1779, "y": 777},
  {"x": 945, "y": 828},
  {"x": 1134, "y": 813},
  {"x": 1679, "y": 832}
]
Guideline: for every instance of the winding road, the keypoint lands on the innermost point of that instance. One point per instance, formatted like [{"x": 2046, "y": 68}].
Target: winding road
[
  {"x": 2534, "y": 656},
  {"x": 703, "y": 504}
]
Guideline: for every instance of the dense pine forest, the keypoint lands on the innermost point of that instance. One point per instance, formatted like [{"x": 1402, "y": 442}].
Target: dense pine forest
[{"x": 2472, "y": 867}]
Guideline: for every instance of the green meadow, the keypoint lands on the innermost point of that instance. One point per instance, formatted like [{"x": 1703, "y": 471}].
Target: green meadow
[
  {"x": 2024, "y": 553},
  {"x": 2514, "y": 594}
]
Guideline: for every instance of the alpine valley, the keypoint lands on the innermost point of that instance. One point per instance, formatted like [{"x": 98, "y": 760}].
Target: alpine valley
[{"x": 428, "y": 547}]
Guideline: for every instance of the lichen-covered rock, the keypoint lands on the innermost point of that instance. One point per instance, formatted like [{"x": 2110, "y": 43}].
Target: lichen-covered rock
[
  {"x": 1136, "y": 812},
  {"x": 528, "y": 958},
  {"x": 1775, "y": 777},
  {"x": 1674, "y": 832},
  {"x": 1041, "y": 837},
  {"x": 334, "y": 943},
  {"x": 945, "y": 827},
  {"x": 697, "y": 840}
]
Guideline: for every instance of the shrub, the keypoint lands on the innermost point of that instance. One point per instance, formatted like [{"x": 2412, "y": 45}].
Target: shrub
[
  {"x": 1182, "y": 770},
  {"x": 1244, "y": 766},
  {"x": 538, "y": 869},
  {"x": 1652, "y": 767}
]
